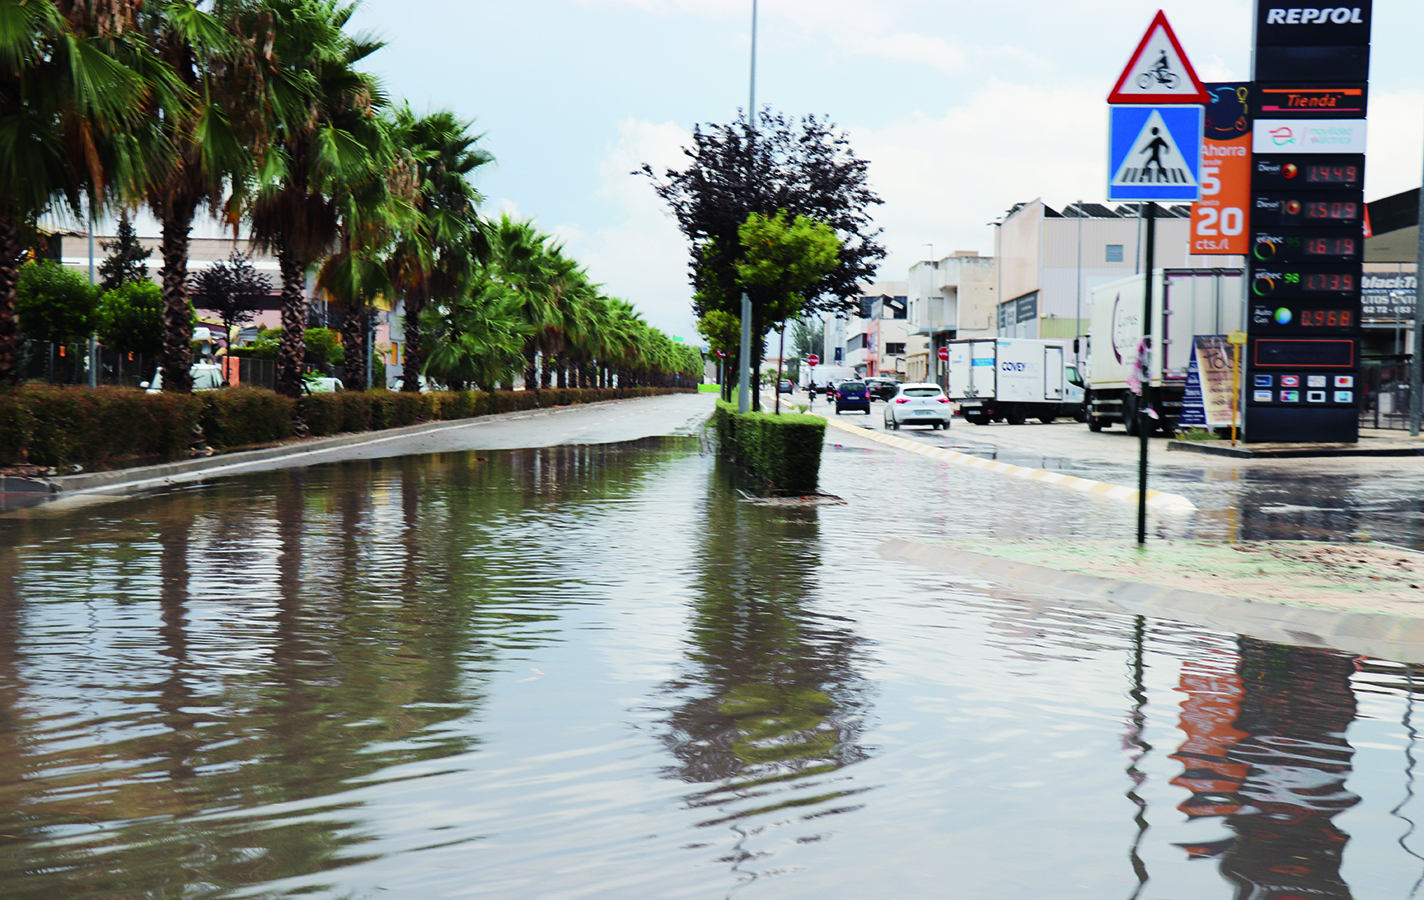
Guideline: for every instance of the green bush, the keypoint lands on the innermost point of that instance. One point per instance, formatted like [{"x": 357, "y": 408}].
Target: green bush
[
  {"x": 54, "y": 426},
  {"x": 54, "y": 303},
  {"x": 784, "y": 451},
  {"x": 245, "y": 416}
]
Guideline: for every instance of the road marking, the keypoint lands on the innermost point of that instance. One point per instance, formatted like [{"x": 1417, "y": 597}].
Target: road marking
[{"x": 1160, "y": 500}]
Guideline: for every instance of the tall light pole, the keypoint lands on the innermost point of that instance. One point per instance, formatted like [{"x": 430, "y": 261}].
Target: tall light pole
[
  {"x": 1416, "y": 373},
  {"x": 744, "y": 395}
]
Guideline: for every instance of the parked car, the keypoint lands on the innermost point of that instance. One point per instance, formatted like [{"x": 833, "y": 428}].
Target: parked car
[
  {"x": 882, "y": 388},
  {"x": 206, "y": 377},
  {"x": 918, "y": 404},
  {"x": 852, "y": 395}
]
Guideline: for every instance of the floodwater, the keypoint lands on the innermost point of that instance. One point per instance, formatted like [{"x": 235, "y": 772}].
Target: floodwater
[{"x": 595, "y": 672}]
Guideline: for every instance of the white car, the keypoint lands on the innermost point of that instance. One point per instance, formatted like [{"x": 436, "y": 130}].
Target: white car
[{"x": 918, "y": 404}]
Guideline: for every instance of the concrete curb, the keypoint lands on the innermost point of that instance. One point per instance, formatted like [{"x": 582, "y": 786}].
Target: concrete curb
[
  {"x": 1380, "y": 635},
  {"x": 1214, "y": 449},
  {"x": 1158, "y": 500},
  {"x": 185, "y": 470}
]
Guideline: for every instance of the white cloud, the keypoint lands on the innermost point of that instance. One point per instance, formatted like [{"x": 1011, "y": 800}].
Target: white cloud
[{"x": 641, "y": 256}]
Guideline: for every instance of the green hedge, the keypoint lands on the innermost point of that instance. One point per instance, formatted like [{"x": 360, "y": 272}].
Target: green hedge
[
  {"x": 53, "y": 426},
  {"x": 784, "y": 451}
]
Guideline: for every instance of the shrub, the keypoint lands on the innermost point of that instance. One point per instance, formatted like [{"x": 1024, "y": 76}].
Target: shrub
[
  {"x": 784, "y": 451},
  {"x": 243, "y": 416}
]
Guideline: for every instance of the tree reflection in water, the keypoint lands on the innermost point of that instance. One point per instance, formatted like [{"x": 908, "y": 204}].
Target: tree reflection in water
[{"x": 771, "y": 704}]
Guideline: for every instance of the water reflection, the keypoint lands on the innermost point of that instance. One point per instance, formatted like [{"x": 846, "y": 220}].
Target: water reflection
[
  {"x": 1266, "y": 752},
  {"x": 771, "y": 705}
]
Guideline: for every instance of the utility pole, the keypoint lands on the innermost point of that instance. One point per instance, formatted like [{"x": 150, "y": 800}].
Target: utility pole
[
  {"x": 744, "y": 396},
  {"x": 1416, "y": 369}
]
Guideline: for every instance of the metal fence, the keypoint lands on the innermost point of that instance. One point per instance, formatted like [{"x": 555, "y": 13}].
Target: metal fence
[{"x": 1384, "y": 391}]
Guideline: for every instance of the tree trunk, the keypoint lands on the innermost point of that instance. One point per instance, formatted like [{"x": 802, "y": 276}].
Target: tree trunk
[
  {"x": 177, "y": 322},
  {"x": 414, "y": 356},
  {"x": 546, "y": 372},
  {"x": 291, "y": 352},
  {"x": 353, "y": 341},
  {"x": 9, "y": 319},
  {"x": 561, "y": 368},
  {"x": 531, "y": 373}
]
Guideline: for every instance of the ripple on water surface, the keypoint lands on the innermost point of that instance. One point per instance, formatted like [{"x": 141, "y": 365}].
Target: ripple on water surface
[{"x": 593, "y": 672}]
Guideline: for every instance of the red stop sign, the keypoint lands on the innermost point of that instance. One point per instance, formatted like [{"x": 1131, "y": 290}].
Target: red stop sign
[
  {"x": 944, "y": 353},
  {"x": 813, "y": 360}
]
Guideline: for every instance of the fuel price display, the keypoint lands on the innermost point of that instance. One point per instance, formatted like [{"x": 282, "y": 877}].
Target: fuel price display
[
  {"x": 1316, "y": 282},
  {"x": 1305, "y": 246},
  {"x": 1309, "y": 172},
  {"x": 1268, "y": 210}
]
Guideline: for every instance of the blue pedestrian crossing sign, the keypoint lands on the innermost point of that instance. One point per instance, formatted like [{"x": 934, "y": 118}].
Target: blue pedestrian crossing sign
[{"x": 1154, "y": 152}]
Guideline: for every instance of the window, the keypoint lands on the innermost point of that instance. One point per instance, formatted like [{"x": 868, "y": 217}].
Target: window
[
  {"x": 894, "y": 349},
  {"x": 1114, "y": 253}
]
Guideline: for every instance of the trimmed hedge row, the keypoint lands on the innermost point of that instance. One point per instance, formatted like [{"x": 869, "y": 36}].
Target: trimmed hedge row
[
  {"x": 53, "y": 426},
  {"x": 784, "y": 451}
]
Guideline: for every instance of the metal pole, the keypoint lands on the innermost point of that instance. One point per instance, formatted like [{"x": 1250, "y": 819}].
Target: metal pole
[
  {"x": 1144, "y": 424},
  {"x": 1078, "y": 303},
  {"x": 1416, "y": 370},
  {"x": 93, "y": 340},
  {"x": 744, "y": 396}
]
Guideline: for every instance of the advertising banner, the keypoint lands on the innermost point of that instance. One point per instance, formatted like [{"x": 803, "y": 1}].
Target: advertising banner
[
  {"x": 1219, "y": 218},
  {"x": 1207, "y": 402}
]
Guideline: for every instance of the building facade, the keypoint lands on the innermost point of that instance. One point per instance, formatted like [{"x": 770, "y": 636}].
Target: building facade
[{"x": 949, "y": 298}]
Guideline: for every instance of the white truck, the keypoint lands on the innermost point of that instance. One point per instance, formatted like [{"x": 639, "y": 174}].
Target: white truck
[
  {"x": 1013, "y": 380},
  {"x": 1185, "y": 302},
  {"x": 823, "y": 377}
]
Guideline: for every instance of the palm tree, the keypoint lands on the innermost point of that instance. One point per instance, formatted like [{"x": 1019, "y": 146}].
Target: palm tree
[
  {"x": 204, "y": 141},
  {"x": 521, "y": 263},
  {"x": 315, "y": 97},
  {"x": 73, "y": 86},
  {"x": 438, "y": 256},
  {"x": 478, "y": 336},
  {"x": 370, "y": 210}
]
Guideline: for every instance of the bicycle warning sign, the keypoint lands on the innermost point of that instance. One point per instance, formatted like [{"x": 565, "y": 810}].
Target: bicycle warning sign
[{"x": 1158, "y": 72}]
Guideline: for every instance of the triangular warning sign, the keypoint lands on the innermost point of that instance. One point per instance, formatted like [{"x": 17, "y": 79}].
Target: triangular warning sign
[
  {"x": 1155, "y": 158},
  {"x": 1159, "y": 72}
]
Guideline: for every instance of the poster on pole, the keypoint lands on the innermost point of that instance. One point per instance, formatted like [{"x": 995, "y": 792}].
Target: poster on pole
[{"x": 1220, "y": 218}]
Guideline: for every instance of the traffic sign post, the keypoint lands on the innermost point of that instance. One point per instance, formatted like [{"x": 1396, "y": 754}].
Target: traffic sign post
[
  {"x": 944, "y": 354},
  {"x": 813, "y": 360},
  {"x": 1154, "y": 153}
]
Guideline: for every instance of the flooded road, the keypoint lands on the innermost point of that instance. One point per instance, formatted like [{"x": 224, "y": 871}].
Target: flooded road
[{"x": 595, "y": 671}]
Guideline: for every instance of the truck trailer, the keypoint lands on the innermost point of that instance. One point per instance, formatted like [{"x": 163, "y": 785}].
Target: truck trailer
[
  {"x": 1185, "y": 303},
  {"x": 1013, "y": 380}
]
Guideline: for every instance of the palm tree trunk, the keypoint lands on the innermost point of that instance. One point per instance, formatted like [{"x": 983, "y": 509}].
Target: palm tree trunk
[
  {"x": 177, "y": 321},
  {"x": 9, "y": 319},
  {"x": 546, "y": 372},
  {"x": 531, "y": 374},
  {"x": 561, "y": 368},
  {"x": 414, "y": 356},
  {"x": 291, "y": 352},
  {"x": 353, "y": 339}
]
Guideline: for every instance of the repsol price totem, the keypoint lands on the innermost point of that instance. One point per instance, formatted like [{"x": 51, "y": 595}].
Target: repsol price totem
[{"x": 1309, "y": 93}]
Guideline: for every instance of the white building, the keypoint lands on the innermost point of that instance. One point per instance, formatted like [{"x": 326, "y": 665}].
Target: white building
[
  {"x": 1049, "y": 262},
  {"x": 953, "y": 297}
]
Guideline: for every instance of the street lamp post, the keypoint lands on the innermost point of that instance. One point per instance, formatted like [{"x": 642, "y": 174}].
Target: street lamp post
[{"x": 744, "y": 396}]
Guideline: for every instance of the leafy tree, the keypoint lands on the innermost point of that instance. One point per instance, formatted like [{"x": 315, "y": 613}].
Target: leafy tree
[
  {"x": 804, "y": 168},
  {"x": 783, "y": 259},
  {"x": 130, "y": 318},
  {"x": 126, "y": 262},
  {"x": 234, "y": 290},
  {"x": 806, "y": 337},
  {"x": 54, "y": 303}
]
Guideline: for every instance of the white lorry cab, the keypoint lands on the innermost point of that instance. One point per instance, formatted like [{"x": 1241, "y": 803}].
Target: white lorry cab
[
  {"x": 1013, "y": 380},
  {"x": 822, "y": 377}
]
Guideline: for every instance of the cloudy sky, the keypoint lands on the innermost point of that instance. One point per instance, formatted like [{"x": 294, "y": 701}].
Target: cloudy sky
[{"x": 962, "y": 108}]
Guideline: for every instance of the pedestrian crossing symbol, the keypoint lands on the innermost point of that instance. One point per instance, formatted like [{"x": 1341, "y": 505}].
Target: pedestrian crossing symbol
[{"x": 1155, "y": 152}]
